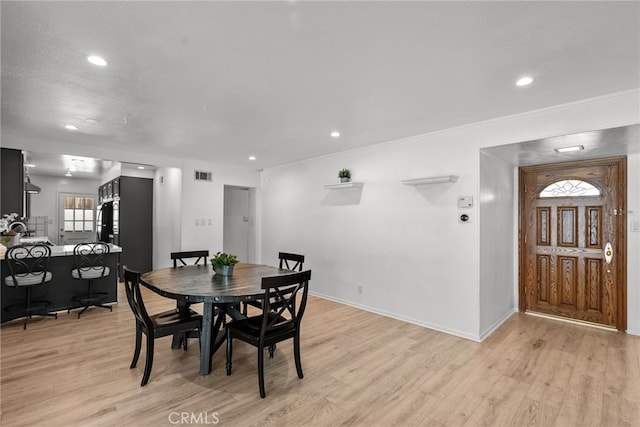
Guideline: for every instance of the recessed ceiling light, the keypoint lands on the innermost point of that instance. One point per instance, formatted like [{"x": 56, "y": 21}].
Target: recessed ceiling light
[
  {"x": 140, "y": 167},
  {"x": 30, "y": 165},
  {"x": 524, "y": 81},
  {"x": 252, "y": 157},
  {"x": 71, "y": 127},
  {"x": 68, "y": 173},
  {"x": 97, "y": 60},
  {"x": 335, "y": 134},
  {"x": 569, "y": 149}
]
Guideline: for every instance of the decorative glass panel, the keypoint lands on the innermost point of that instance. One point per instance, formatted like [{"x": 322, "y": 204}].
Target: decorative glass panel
[
  {"x": 68, "y": 214},
  {"x": 570, "y": 188},
  {"x": 88, "y": 215},
  {"x": 68, "y": 226}
]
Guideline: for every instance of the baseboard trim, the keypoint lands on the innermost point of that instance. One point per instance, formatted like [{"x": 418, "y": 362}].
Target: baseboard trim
[{"x": 435, "y": 327}]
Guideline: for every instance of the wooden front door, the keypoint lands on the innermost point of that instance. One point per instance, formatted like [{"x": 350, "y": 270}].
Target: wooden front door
[{"x": 572, "y": 241}]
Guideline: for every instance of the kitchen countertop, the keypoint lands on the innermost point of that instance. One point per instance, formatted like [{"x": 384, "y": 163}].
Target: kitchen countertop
[
  {"x": 66, "y": 250},
  {"x": 61, "y": 250}
]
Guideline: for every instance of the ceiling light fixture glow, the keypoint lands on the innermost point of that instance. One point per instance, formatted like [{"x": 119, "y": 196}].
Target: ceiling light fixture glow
[
  {"x": 141, "y": 167},
  {"x": 252, "y": 157},
  {"x": 71, "y": 127},
  {"x": 335, "y": 134},
  {"x": 97, "y": 60},
  {"x": 524, "y": 81},
  {"x": 569, "y": 149},
  {"x": 68, "y": 173},
  {"x": 30, "y": 165}
]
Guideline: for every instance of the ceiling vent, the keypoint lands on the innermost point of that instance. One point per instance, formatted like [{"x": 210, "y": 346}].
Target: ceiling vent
[{"x": 203, "y": 176}]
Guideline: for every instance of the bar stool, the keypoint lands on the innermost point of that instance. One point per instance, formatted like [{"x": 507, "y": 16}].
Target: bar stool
[
  {"x": 90, "y": 261},
  {"x": 28, "y": 267}
]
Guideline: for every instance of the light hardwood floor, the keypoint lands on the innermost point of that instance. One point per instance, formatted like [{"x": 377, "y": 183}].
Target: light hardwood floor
[{"x": 360, "y": 369}]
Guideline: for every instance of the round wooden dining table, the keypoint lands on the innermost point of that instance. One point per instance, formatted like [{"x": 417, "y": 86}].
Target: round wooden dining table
[{"x": 219, "y": 294}]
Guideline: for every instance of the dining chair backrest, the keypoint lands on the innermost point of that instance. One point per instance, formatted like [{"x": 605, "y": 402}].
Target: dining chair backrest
[
  {"x": 28, "y": 265},
  {"x": 134, "y": 297},
  {"x": 291, "y": 261},
  {"x": 91, "y": 260},
  {"x": 289, "y": 309},
  {"x": 181, "y": 256}
]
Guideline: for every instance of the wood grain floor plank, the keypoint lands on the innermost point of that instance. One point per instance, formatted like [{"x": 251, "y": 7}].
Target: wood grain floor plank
[{"x": 360, "y": 369}]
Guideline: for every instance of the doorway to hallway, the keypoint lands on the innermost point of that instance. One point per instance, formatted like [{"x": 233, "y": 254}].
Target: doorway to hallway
[{"x": 239, "y": 236}]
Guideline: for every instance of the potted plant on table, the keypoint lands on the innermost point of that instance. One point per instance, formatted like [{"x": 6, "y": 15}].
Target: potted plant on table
[
  {"x": 223, "y": 263},
  {"x": 344, "y": 175}
]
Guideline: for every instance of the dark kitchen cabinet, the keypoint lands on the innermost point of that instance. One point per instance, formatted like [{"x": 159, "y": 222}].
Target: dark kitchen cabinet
[
  {"x": 130, "y": 200},
  {"x": 12, "y": 181}
]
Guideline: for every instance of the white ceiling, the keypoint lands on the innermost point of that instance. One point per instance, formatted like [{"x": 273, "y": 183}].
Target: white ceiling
[{"x": 221, "y": 81}]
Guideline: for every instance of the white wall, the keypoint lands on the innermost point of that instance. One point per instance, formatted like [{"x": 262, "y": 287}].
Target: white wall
[
  {"x": 633, "y": 244},
  {"x": 404, "y": 246},
  {"x": 46, "y": 203},
  {"x": 497, "y": 234},
  {"x": 205, "y": 201},
  {"x": 167, "y": 215}
]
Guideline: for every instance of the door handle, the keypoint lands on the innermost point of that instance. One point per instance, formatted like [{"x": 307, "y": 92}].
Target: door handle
[{"x": 608, "y": 253}]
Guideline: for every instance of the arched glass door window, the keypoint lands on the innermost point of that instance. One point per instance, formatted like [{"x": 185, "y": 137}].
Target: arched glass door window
[{"x": 570, "y": 188}]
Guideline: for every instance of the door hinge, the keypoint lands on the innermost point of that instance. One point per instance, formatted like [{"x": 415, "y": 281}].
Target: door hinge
[
  {"x": 525, "y": 238},
  {"x": 618, "y": 211}
]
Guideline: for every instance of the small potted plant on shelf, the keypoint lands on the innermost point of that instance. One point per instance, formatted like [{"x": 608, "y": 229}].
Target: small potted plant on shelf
[
  {"x": 223, "y": 263},
  {"x": 344, "y": 175}
]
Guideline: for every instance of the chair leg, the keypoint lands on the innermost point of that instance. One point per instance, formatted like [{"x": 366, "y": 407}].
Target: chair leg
[
  {"x": 83, "y": 310},
  {"x": 184, "y": 341},
  {"x": 229, "y": 352},
  {"x": 296, "y": 355},
  {"x": 272, "y": 349},
  {"x": 136, "y": 352},
  {"x": 27, "y": 315},
  {"x": 92, "y": 301},
  {"x": 149, "y": 362},
  {"x": 261, "y": 371}
]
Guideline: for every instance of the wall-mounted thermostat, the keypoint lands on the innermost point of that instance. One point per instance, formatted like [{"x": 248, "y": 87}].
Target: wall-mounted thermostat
[{"x": 465, "y": 201}]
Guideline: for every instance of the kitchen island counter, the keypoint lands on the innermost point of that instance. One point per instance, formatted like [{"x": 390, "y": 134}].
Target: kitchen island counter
[{"x": 62, "y": 287}]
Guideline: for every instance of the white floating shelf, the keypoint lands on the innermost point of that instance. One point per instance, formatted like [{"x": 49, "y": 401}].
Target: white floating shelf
[
  {"x": 431, "y": 180},
  {"x": 344, "y": 185}
]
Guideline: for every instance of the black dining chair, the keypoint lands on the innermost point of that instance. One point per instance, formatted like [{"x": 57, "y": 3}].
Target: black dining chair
[
  {"x": 202, "y": 255},
  {"x": 29, "y": 267},
  {"x": 91, "y": 265},
  {"x": 288, "y": 261},
  {"x": 182, "y": 256},
  {"x": 156, "y": 326},
  {"x": 272, "y": 326}
]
